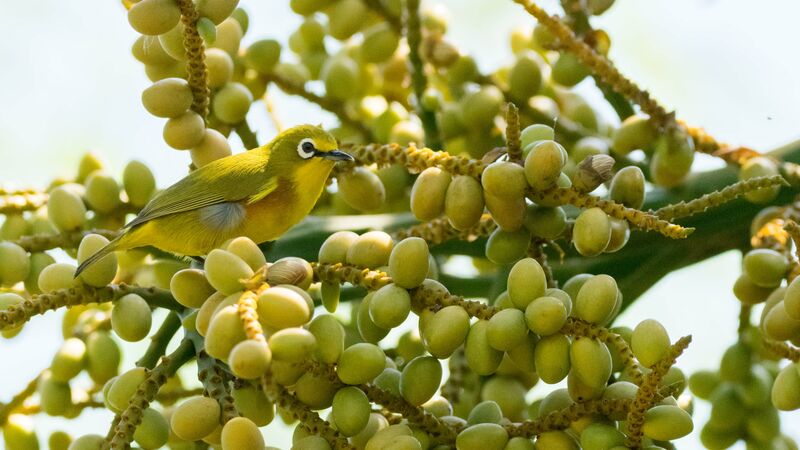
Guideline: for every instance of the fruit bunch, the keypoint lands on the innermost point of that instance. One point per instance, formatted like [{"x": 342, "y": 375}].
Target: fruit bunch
[{"x": 421, "y": 304}]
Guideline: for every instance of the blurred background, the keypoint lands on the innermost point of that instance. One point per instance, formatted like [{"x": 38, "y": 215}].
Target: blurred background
[{"x": 70, "y": 85}]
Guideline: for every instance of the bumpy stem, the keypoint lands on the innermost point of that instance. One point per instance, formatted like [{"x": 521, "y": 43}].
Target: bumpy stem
[
  {"x": 18, "y": 314},
  {"x": 562, "y": 419},
  {"x": 419, "y": 81},
  {"x": 213, "y": 378},
  {"x": 440, "y": 230},
  {"x": 578, "y": 327},
  {"x": 345, "y": 273},
  {"x": 196, "y": 58},
  {"x": 514, "y": 148},
  {"x": 781, "y": 349},
  {"x": 21, "y": 202},
  {"x": 422, "y": 297},
  {"x": 536, "y": 251},
  {"x": 71, "y": 239},
  {"x": 413, "y": 158},
  {"x": 249, "y": 316},
  {"x": 435, "y": 428}
]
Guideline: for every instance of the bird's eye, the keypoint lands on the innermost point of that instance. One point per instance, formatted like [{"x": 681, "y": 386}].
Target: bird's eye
[{"x": 306, "y": 149}]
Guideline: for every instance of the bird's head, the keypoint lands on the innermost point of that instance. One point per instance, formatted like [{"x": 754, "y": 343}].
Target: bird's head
[{"x": 307, "y": 145}]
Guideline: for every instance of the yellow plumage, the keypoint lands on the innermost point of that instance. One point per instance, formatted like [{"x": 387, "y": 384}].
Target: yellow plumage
[{"x": 259, "y": 194}]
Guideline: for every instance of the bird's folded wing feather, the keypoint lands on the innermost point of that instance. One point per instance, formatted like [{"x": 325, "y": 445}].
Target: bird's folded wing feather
[{"x": 206, "y": 187}]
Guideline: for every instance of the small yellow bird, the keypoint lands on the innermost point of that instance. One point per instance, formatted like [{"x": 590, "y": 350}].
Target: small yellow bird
[{"x": 259, "y": 194}]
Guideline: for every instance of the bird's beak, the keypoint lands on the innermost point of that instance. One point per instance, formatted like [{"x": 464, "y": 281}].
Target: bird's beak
[{"x": 335, "y": 155}]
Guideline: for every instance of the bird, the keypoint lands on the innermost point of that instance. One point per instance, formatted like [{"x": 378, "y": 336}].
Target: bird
[{"x": 260, "y": 194}]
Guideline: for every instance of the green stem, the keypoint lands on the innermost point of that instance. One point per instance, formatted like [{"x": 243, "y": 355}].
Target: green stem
[
  {"x": 419, "y": 81},
  {"x": 247, "y": 135},
  {"x": 160, "y": 340}
]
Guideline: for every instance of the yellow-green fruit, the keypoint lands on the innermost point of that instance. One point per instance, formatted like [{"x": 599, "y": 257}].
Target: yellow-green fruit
[
  {"x": 778, "y": 325},
  {"x": 508, "y": 212},
  {"x": 195, "y": 418},
  {"x": 592, "y": 232},
  {"x": 292, "y": 345},
  {"x": 219, "y": 67},
  {"x": 546, "y": 315},
  {"x": 526, "y": 282},
  {"x": 672, "y": 159},
  {"x": 667, "y": 422},
  {"x": 627, "y": 187},
  {"x": 601, "y": 436},
  {"x": 482, "y": 436},
  {"x": 735, "y": 363},
  {"x": 534, "y": 133},
  {"x": 229, "y": 36},
  {"x": 185, "y": 131},
  {"x": 224, "y": 270},
  {"x": 342, "y": 77},
  {"x": 351, "y": 410},
  {"x": 190, "y": 287},
  {"x": 14, "y": 264},
  {"x": 525, "y": 77},
  {"x": 249, "y": 359},
  {"x": 791, "y": 300},
  {"x": 224, "y": 331},
  {"x": 635, "y": 133},
  {"x": 123, "y": 388},
  {"x": 568, "y": 70},
  {"x": 556, "y": 440},
  {"x": 552, "y": 358},
  {"x": 346, "y": 17},
  {"x": 544, "y": 163},
  {"x": 748, "y": 292},
  {"x": 334, "y": 249},
  {"x": 131, "y": 318},
  {"x": 102, "y": 192},
  {"x": 312, "y": 442},
  {"x": 139, "y": 183},
  {"x": 703, "y": 382},
  {"x": 429, "y": 193},
  {"x": 409, "y": 263},
  {"x": 486, "y": 411},
  {"x": 281, "y": 307},
  {"x": 59, "y": 440},
  {"x": 420, "y": 379},
  {"x": 596, "y": 299},
  {"x": 240, "y": 433},
  {"x": 479, "y": 108},
  {"x": 371, "y": 249},
  {"x": 212, "y": 147},
  {"x": 362, "y": 189},
  {"x": 170, "y": 97},
  {"x": 369, "y": 331},
  {"x": 69, "y": 360},
  {"x": 389, "y": 380},
  {"x": 508, "y": 392},
  {"x": 148, "y": 50},
  {"x": 102, "y": 272},
  {"x": 481, "y": 357},
  {"x": 506, "y": 247},
  {"x": 390, "y": 306},
  {"x": 55, "y": 397},
  {"x": 330, "y": 336},
  {"x": 463, "y": 202},
  {"x": 174, "y": 69},
  {"x": 66, "y": 209},
  {"x": 88, "y": 442},
  {"x": 231, "y": 103},
  {"x": 380, "y": 42},
  {"x": 153, "y": 431},
  {"x": 102, "y": 356},
  {"x": 507, "y": 329},
  {"x": 262, "y": 56},
  {"x": 206, "y": 311},
  {"x": 389, "y": 437},
  {"x": 650, "y": 342},
  {"x": 590, "y": 361},
  {"x": 620, "y": 233},
  {"x": 760, "y": 166},
  {"x": 216, "y": 10},
  {"x": 18, "y": 433},
  {"x": 360, "y": 363},
  {"x": 786, "y": 389},
  {"x": 152, "y": 17},
  {"x": 445, "y": 331},
  {"x": 620, "y": 390},
  {"x": 253, "y": 404},
  {"x": 765, "y": 267},
  {"x": 545, "y": 222},
  {"x": 504, "y": 179},
  {"x": 13, "y": 227}
]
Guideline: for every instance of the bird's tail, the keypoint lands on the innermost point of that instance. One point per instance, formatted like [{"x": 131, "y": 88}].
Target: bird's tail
[{"x": 105, "y": 251}]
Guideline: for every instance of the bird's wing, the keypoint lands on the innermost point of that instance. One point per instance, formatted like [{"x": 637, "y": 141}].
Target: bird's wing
[{"x": 243, "y": 180}]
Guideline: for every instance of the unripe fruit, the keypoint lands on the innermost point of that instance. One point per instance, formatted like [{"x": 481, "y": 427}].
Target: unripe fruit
[
  {"x": 544, "y": 163},
  {"x": 224, "y": 332},
  {"x": 14, "y": 264},
  {"x": 195, "y": 418},
  {"x": 635, "y": 133},
  {"x": 627, "y": 187},
  {"x": 58, "y": 440},
  {"x": 592, "y": 232},
  {"x": 556, "y": 440},
  {"x": 390, "y": 306},
  {"x": 765, "y": 267},
  {"x": 445, "y": 331},
  {"x": 153, "y": 17},
  {"x": 667, "y": 422},
  {"x": 778, "y": 325},
  {"x": 485, "y": 412},
  {"x": 362, "y": 190},
  {"x": 507, "y": 329},
  {"x": 504, "y": 179},
  {"x": 409, "y": 263},
  {"x": 292, "y": 345},
  {"x": 481, "y": 357},
  {"x": 483, "y": 436},
  {"x": 371, "y": 249},
  {"x": 281, "y": 307},
  {"x": 219, "y": 67},
  {"x": 185, "y": 131},
  {"x": 672, "y": 159},
  {"x": 420, "y": 379},
  {"x": 545, "y": 222},
  {"x": 253, "y": 404},
  {"x": 429, "y": 192},
  {"x": 216, "y": 10},
  {"x": 568, "y": 70},
  {"x": 170, "y": 97},
  {"x": 526, "y": 282},
  {"x": 552, "y": 357},
  {"x": 748, "y": 292},
  {"x": 139, "y": 183},
  {"x": 735, "y": 363},
  {"x": 760, "y": 167},
  {"x": 335, "y": 247},
  {"x": 102, "y": 192},
  {"x": 649, "y": 342},
  {"x": 590, "y": 361},
  {"x": 65, "y": 209},
  {"x": 55, "y": 397},
  {"x": 102, "y": 356},
  {"x": 250, "y": 359},
  {"x": 153, "y": 431},
  {"x": 231, "y": 103},
  {"x": 102, "y": 272},
  {"x": 224, "y": 270},
  {"x": 596, "y": 299},
  {"x": 366, "y": 327},
  {"x": 464, "y": 202},
  {"x": 124, "y": 387},
  {"x": 508, "y": 212},
  {"x": 546, "y": 315},
  {"x": 380, "y": 42},
  {"x": 480, "y": 108},
  {"x": 262, "y": 56},
  {"x": 190, "y": 287},
  {"x": 342, "y": 77},
  {"x": 131, "y": 318},
  {"x": 229, "y": 36},
  {"x": 525, "y": 77},
  {"x": 791, "y": 300},
  {"x": 345, "y": 18},
  {"x": 506, "y": 247},
  {"x": 600, "y": 436},
  {"x": 508, "y": 392},
  {"x": 69, "y": 360},
  {"x": 786, "y": 389},
  {"x": 330, "y": 336},
  {"x": 360, "y": 363},
  {"x": 351, "y": 410}
]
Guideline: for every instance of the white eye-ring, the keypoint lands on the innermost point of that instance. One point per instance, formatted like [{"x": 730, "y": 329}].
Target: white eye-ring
[{"x": 306, "y": 148}]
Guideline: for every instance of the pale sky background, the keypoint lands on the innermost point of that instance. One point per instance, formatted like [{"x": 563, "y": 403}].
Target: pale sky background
[{"x": 71, "y": 85}]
